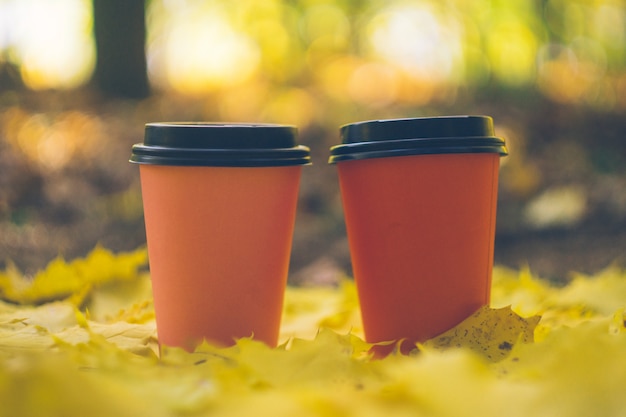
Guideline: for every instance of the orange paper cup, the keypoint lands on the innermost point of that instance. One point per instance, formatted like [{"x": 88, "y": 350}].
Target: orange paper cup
[
  {"x": 219, "y": 204},
  {"x": 419, "y": 198}
]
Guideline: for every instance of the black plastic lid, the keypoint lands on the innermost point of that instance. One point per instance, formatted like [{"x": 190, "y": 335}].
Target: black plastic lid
[
  {"x": 220, "y": 144},
  {"x": 416, "y": 136}
]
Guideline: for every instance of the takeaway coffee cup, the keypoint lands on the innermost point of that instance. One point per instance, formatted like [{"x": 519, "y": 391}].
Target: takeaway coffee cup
[
  {"x": 219, "y": 205},
  {"x": 419, "y": 199}
]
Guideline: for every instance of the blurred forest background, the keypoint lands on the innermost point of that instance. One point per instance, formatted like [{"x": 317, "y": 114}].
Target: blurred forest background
[{"x": 80, "y": 78}]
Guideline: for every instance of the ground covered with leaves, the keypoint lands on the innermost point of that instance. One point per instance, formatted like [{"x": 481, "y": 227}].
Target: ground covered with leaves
[{"x": 79, "y": 339}]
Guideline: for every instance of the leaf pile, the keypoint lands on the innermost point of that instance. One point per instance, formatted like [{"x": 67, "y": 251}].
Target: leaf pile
[{"x": 86, "y": 346}]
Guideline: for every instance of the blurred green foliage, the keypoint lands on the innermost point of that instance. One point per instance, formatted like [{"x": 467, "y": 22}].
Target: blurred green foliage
[
  {"x": 286, "y": 59},
  {"x": 279, "y": 59}
]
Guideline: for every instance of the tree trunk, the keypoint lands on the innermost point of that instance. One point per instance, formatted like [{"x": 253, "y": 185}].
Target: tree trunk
[{"x": 120, "y": 34}]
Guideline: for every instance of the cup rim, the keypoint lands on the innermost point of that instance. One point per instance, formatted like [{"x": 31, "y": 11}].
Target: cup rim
[
  {"x": 410, "y": 147},
  {"x": 220, "y": 144},
  {"x": 417, "y": 136}
]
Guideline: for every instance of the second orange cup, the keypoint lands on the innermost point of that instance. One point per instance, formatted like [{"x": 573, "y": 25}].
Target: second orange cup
[{"x": 419, "y": 199}]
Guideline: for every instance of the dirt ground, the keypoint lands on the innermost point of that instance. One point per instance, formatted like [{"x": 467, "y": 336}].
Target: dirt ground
[{"x": 562, "y": 201}]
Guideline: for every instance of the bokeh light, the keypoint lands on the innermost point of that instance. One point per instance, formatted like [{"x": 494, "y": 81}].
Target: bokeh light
[
  {"x": 419, "y": 41},
  {"x": 50, "y": 41},
  {"x": 52, "y": 142},
  {"x": 198, "y": 49},
  {"x": 512, "y": 50}
]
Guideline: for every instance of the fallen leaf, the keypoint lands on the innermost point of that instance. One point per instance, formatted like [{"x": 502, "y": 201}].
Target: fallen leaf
[
  {"x": 492, "y": 333},
  {"x": 61, "y": 280}
]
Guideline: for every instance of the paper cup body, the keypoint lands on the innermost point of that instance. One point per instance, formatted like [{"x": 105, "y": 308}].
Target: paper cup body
[
  {"x": 421, "y": 228},
  {"x": 219, "y": 225}
]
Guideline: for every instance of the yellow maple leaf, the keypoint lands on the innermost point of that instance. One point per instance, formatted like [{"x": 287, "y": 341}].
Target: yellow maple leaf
[
  {"x": 61, "y": 280},
  {"x": 489, "y": 332}
]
